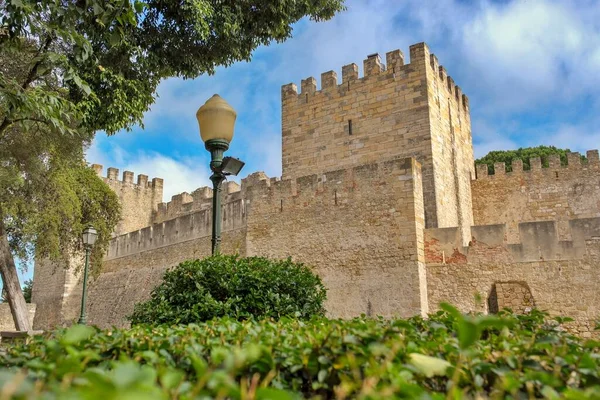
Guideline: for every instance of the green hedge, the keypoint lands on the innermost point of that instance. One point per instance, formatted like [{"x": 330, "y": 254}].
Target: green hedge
[
  {"x": 446, "y": 356},
  {"x": 241, "y": 288}
]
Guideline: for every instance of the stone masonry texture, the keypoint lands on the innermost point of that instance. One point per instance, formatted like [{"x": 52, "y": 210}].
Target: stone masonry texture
[{"x": 380, "y": 197}]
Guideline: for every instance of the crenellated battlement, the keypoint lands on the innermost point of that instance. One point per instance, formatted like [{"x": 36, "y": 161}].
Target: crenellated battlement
[
  {"x": 540, "y": 241},
  {"x": 574, "y": 165},
  {"x": 199, "y": 199},
  {"x": 374, "y": 68},
  {"x": 446, "y": 80},
  {"x": 188, "y": 216},
  {"x": 112, "y": 174}
]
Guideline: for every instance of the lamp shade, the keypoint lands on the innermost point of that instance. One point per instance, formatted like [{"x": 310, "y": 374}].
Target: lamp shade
[
  {"x": 89, "y": 236},
  {"x": 216, "y": 119}
]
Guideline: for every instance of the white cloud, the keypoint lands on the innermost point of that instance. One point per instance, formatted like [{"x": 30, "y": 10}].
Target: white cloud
[
  {"x": 509, "y": 58},
  {"x": 180, "y": 175},
  {"x": 527, "y": 53}
]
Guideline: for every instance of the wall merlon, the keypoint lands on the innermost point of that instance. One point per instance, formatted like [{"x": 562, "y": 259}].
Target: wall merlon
[
  {"x": 97, "y": 168},
  {"x": 535, "y": 163},
  {"x": 482, "y": 170},
  {"x": 112, "y": 173},
  {"x": 499, "y": 168},
  {"x": 574, "y": 160},
  {"x": 142, "y": 180},
  {"x": 465, "y": 101},
  {"x": 458, "y": 94},
  {"x": 435, "y": 63},
  {"x": 157, "y": 183},
  {"x": 231, "y": 187},
  {"x": 451, "y": 85},
  {"x": 127, "y": 177},
  {"x": 349, "y": 72},
  {"x": 592, "y": 157},
  {"x": 443, "y": 73},
  {"x": 308, "y": 86},
  {"x": 419, "y": 53},
  {"x": 394, "y": 60},
  {"x": 517, "y": 166},
  {"x": 372, "y": 65},
  {"x": 289, "y": 90},
  {"x": 328, "y": 80},
  {"x": 554, "y": 161},
  {"x": 202, "y": 193}
]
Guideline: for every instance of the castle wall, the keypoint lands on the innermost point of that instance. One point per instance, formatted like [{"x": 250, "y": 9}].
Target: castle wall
[
  {"x": 452, "y": 149},
  {"x": 370, "y": 261},
  {"x": 139, "y": 201},
  {"x": 556, "y": 193},
  {"x": 6, "y": 319},
  {"x": 541, "y": 271},
  {"x": 411, "y": 110},
  {"x": 48, "y": 293},
  {"x": 360, "y": 228},
  {"x": 136, "y": 261}
]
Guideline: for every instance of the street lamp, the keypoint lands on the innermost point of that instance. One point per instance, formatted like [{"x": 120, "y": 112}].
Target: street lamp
[
  {"x": 216, "y": 119},
  {"x": 89, "y": 238}
]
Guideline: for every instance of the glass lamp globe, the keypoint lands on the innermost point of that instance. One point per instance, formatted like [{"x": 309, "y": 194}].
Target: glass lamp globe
[
  {"x": 89, "y": 236},
  {"x": 216, "y": 119}
]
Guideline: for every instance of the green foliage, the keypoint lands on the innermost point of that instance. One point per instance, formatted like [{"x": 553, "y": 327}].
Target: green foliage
[
  {"x": 524, "y": 154},
  {"x": 110, "y": 55},
  {"x": 241, "y": 288},
  {"x": 27, "y": 289},
  {"x": 50, "y": 215},
  {"x": 507, "y": 356}
]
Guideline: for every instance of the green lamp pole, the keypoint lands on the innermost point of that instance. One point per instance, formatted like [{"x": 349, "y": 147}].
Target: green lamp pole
[
  {"x": 89, "y": 238},
  {"x": 216, "y": 120}
]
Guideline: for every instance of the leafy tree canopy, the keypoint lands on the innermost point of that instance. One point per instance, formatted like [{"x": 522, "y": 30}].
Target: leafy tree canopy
[
  {"x": 524, "y": 154},
  {"x": 110, "y": 55},
  {"x": 69, "y": 69}
]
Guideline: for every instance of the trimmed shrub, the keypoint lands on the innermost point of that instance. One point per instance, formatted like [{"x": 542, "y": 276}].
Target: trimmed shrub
[
  {"x": 447, "y": 356},
  {"x": 240, "y": 288}
]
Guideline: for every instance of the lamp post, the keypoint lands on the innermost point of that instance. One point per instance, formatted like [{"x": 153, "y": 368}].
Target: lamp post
[
  {"x": 89, "y": 238},
  {"x": 216, "y": 120}
]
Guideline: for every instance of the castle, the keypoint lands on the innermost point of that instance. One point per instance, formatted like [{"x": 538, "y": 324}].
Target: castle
[{"x": 380, "y": 194}]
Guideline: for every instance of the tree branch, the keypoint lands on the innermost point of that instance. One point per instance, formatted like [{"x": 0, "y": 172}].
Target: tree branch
[{"x": 6, "y": 122}]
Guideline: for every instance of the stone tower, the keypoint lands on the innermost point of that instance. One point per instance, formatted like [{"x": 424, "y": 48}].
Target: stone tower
[{"x": 394, "y": 111}]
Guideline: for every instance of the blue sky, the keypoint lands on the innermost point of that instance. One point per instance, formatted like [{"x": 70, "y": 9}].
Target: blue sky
[{"x": 531, "y": 70}]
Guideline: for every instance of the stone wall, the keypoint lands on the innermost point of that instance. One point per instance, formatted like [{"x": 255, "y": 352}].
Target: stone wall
[
  {"x": 139, "y": 201},
  {"x": 452, "y": 149},
  {"x": 6, "y": 320},
  {"x": 360, "y": 228},
  {"x": 48, "y": 293},
  {"x": 404, "y": 110},
  {"x": 562, "y": 277},
  {"x": 559, "y": 193}
]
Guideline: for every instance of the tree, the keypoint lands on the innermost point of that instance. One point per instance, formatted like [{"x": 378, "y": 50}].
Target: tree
[
  {"x": 524, "y": 154},
  {"x": 69, "y": 69},
  {"x": 27, "y": 290}
]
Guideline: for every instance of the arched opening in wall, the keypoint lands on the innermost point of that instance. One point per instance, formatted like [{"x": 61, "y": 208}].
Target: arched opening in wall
[{"x": 515, "y": 295}]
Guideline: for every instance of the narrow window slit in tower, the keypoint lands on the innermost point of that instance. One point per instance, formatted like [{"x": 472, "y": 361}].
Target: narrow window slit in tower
[
  {"x": 349, "y": 127},
  {"x": 281, "y": 206},
  {"x": 556, "y": 172},
  {"x": 335, "y": 196}
]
